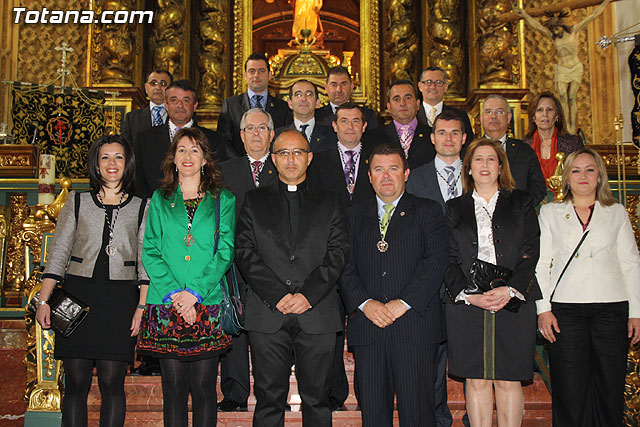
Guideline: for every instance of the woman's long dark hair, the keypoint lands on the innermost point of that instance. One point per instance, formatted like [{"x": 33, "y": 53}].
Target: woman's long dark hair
[
  {"x": 128, "y": 181},
  {"x": 210, "y": 178}
]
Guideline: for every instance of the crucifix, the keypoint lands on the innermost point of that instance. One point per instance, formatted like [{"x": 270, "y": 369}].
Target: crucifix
[
  {"x": 560, "y": 27},
  {"x": 63, "y": 69}
]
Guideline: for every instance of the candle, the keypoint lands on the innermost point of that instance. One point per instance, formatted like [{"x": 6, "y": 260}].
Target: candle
[{"x": 46, "y": 179}]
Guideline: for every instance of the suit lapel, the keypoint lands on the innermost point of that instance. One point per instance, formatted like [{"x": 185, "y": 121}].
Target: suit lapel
[
  {"x": 403, "y": 210},
  {"x": 269, "y": 174},
  {"x": 244, "y": 102},
  {"x": 468, "y": 213},
  {"x": 418, "y": 139},
  {"x": 431, "y": 169}
]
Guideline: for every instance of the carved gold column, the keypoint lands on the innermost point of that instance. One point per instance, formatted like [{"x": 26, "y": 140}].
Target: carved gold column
[
  {"x": 496, "y": 52},
  {"x": 170, "y": 39},
  {"x": 14, "y": 266},
  {"x": 444, "y": 35},
  {"x": 212, "y": 60},
  {"x": 113, "y": 55},
  {"x": 401, "y": 39}
]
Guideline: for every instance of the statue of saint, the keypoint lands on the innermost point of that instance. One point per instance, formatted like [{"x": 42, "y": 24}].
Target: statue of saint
[
  {"x": 306, "y": 16},
  {"x": 568, "y": 70}
]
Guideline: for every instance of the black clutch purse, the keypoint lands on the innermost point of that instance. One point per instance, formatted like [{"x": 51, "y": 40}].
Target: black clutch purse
[
  {"x": 484, "y": 276},
  {"x": 67, "y": 311}
]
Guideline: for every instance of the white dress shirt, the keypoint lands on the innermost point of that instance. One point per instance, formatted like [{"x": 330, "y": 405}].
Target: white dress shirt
[
  {"x": 443, "y": 174},
  {"x": 173, "y": 128},
  {"x": 427, "y": 109},
  {"x": 312, "y": 123},
  {"x": 163, "y": 112}
]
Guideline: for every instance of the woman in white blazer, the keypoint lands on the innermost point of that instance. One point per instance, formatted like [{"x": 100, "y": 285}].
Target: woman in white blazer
[{"x": 589, "y": 312}]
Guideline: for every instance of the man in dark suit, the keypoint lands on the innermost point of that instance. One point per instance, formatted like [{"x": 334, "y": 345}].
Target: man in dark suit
[
  {"x": 399, "y": 252},
  {"x": 153, "y": 114},
  {"x": 151, "y": 145},
  {"x": 440, "y": 180},
  {"x": 405, "y": 129},
  {"x": 343, "y": 170},
  {"x": 523, "y": 161},
  {"x": 339, "y": 88},
  {"x": 303, "y": 100},
  {"x": 257, "y": 75},
  {"x": 241, "y": 175},
  {"x": 433, "y": 85},
  {"x": 291, "y": 246}
]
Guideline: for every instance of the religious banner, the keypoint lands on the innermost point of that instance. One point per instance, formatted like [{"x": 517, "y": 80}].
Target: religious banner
[{"x": 65, "y": 125}]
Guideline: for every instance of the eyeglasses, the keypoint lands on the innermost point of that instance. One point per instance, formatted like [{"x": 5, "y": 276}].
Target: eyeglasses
[
  {"x": 308, "y": 94},
  {"x": 285, "y": 153},
  {"x": 252, "y": 128},
  {"x": 430, "y": 82},
  {"x": 496, "y": 113},
  {"x": 155, "y": 83}
]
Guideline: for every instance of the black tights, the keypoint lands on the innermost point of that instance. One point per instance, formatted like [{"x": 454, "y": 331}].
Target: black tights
[
  {"x": 178, "y": 379},
  {"x": 77, "y": 382}
]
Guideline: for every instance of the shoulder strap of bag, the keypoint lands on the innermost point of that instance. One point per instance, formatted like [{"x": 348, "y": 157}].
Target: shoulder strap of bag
[
  {"x": 584, "y": 236},
  {"x": 143, "y": 204}
]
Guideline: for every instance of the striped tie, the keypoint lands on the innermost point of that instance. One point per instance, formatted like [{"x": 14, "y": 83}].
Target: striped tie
[
  {"x": 157, "y": 115},
  {"x": 453, "y": 190}
]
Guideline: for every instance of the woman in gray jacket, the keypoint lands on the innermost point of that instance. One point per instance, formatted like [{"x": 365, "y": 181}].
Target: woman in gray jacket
[{"x": 95, "y": 253}]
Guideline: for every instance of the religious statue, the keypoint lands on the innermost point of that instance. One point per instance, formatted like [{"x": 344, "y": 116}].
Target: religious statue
[
  {"x": 306, "y": 16},
  {"x": 561, "y": 30},
  {"x": 168, "y": 36},
  {"x": 401, "y": 40},
  {"x": 495, "y": 41}
]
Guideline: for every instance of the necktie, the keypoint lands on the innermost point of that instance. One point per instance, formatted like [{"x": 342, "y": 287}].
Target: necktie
[
  {"x": 432, "y": 116},
  {"x": 349, "y": 171},
  {"x": 303, "y": 129},
  {"x": 451, "y": 183},
  {"x": 257, "y": 101},
  {"x": 157, "y": 115},
  {"x": 405, "y": 138},
  {"x": 255, "y": 171},
  {"x": 384, "y": 223}
]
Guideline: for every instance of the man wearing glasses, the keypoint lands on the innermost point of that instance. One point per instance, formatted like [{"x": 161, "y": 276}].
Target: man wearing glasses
[
  {"x": 291, "y": 246},
  {"x": 257, "y": 74},
  {"x": 433, "y": 85},
  {"x": 303, "y": 100},
  {"x": 525, "y": 167},
  {"x": 241, "y": 175},
  {"x": 154, "y": 114}
]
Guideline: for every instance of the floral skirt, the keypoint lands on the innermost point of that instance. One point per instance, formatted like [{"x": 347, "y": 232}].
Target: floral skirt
[{"x": 165, "y": 334}]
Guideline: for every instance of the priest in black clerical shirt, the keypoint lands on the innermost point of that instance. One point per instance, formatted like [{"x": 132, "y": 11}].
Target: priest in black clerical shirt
[{"x": 291, "y": 246}]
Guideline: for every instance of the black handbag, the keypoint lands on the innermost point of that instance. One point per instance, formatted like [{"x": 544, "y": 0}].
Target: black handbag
[
  {"x": 231, "y": 309},
  {"x": 484, "y": 276},
  {"x": 67, "y": 311}
]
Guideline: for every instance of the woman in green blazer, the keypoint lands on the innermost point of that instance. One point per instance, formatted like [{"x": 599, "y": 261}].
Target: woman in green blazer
[{"x": 180, "y": 325}]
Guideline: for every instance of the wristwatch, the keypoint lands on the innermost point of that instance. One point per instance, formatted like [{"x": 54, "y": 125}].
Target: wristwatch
[
  {"x": 43, "y": 302},
  {"x": 512, "y": 293}
]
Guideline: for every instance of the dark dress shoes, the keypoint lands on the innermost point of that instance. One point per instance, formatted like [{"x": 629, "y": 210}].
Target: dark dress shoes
[{"x": 230, "y": 405}]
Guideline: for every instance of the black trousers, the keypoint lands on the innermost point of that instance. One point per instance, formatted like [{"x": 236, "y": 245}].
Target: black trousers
[
  {"x": 391, "y": 367},
  {"x": 234, "y": 370},
  {"x": 272, "y": 368},
  {"x": 588, "y": 364}
]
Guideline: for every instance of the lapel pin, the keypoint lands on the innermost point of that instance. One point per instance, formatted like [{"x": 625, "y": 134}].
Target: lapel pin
[
  {"x": 402, "y": 213},
  {"x": 567, "y": 216},
  {"x": 367, "y": 161},
  {"x": 420, "y": 135},
  {"x": 270, "y": 171},
  {"x": 173, "y": 205}
]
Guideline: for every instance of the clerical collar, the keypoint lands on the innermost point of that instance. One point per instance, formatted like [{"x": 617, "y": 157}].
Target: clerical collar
[{"x": 292, "y": 188}]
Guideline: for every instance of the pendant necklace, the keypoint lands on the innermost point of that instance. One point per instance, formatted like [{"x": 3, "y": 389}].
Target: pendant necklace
[
  {"x": 382, "y": 244},
  {"x": 451, "y": 187},
  {"x": 351, "y": 185},
  {"x": 110, "y": 249},
  {"x": 191, "y": 211}
]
